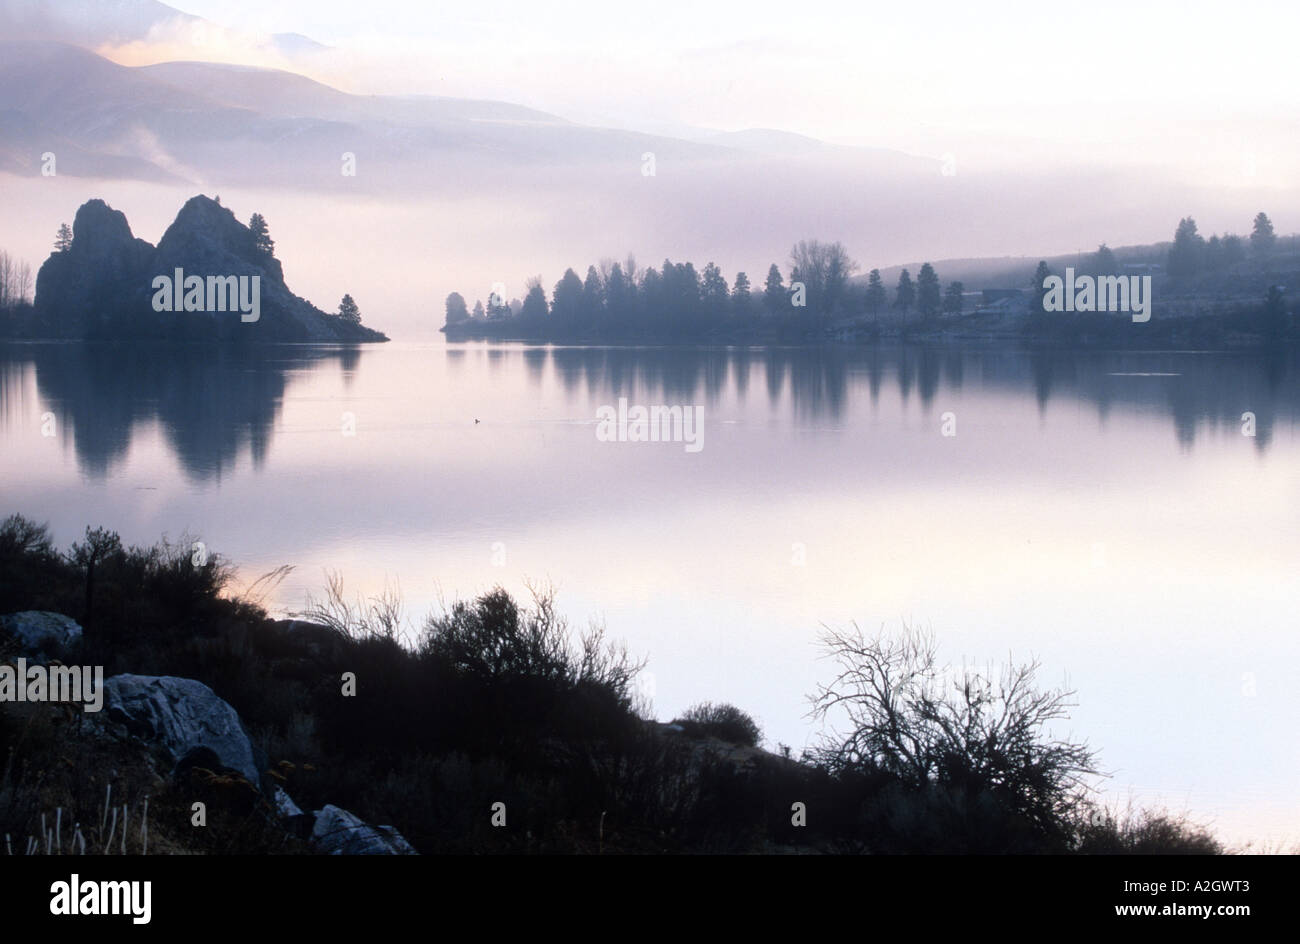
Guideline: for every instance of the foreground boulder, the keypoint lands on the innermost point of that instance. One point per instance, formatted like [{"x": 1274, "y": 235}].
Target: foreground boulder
[
  {"x": 186, "y": 719},
  {"x": 338, "y": 832},
  {"x": 41, "y": 635}
]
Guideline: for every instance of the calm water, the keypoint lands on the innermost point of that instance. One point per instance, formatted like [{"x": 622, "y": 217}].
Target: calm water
[{"x": 1103, "y": 512}]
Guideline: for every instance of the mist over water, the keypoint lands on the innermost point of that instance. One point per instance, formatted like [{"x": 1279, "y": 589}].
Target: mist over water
[{"x": 1101, "y": 511}]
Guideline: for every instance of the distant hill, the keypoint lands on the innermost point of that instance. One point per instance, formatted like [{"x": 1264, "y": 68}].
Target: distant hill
[
  {"x": 289, "y": 95},
  {"x": 89, "y": 23},
  {"x": 92, "y": 24},
  {"x": 103, "y": 285},
  {"x": 217, "y": 123},
  {"x": 977, "y": 274},
  {"x": 1251, "y": 277}
]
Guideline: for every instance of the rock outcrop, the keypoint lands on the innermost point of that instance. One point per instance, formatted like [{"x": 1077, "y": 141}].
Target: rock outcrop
[
  {"x": 197, "y": 729},
  {"x": 204, "y": 739},
  {"x": 186, "y": 719},
  {"x": 338, "y": 832},
  {"x": 101, "y": 287},
  {"x": 40, "y": 635},
  {"x": 284, "y": 804}
]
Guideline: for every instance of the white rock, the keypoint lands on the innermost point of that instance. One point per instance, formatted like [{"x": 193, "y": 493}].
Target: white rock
[
  {"x": 41, "y": 633},
  {"x": 284, "y": 804},
  {"x": 181, "y": 715},
  {"x": 338, "y": 832}
]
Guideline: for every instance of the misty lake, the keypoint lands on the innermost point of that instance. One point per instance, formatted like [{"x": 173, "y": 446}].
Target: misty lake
[{"x": 1115, "y": 514}]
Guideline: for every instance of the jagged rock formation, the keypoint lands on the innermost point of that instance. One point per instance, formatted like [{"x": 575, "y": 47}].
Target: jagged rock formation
[{"x": 102, "y": 286}]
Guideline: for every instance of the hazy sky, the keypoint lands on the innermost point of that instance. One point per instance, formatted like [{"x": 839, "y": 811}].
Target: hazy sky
[{"x": 1181, "y": 84}]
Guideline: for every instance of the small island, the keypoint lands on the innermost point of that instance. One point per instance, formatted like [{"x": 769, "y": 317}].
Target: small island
[{"x": 209, "y": 278}]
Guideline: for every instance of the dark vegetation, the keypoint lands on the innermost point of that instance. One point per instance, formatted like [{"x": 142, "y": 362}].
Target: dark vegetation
[
  {"x": 1221, "y": 291},
  {"x": 498, "y": 701},
  {"x": 16, "y": 283},
  {"x": 725, "y": 722}
]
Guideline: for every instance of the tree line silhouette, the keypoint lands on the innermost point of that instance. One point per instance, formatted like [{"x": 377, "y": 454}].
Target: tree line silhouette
[
  {"x": 677, "y": 299},
  {"x": 622, "y": 299}
]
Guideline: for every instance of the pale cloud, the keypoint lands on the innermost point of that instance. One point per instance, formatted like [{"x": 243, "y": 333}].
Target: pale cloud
[{"x": 202, "y": 40}]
